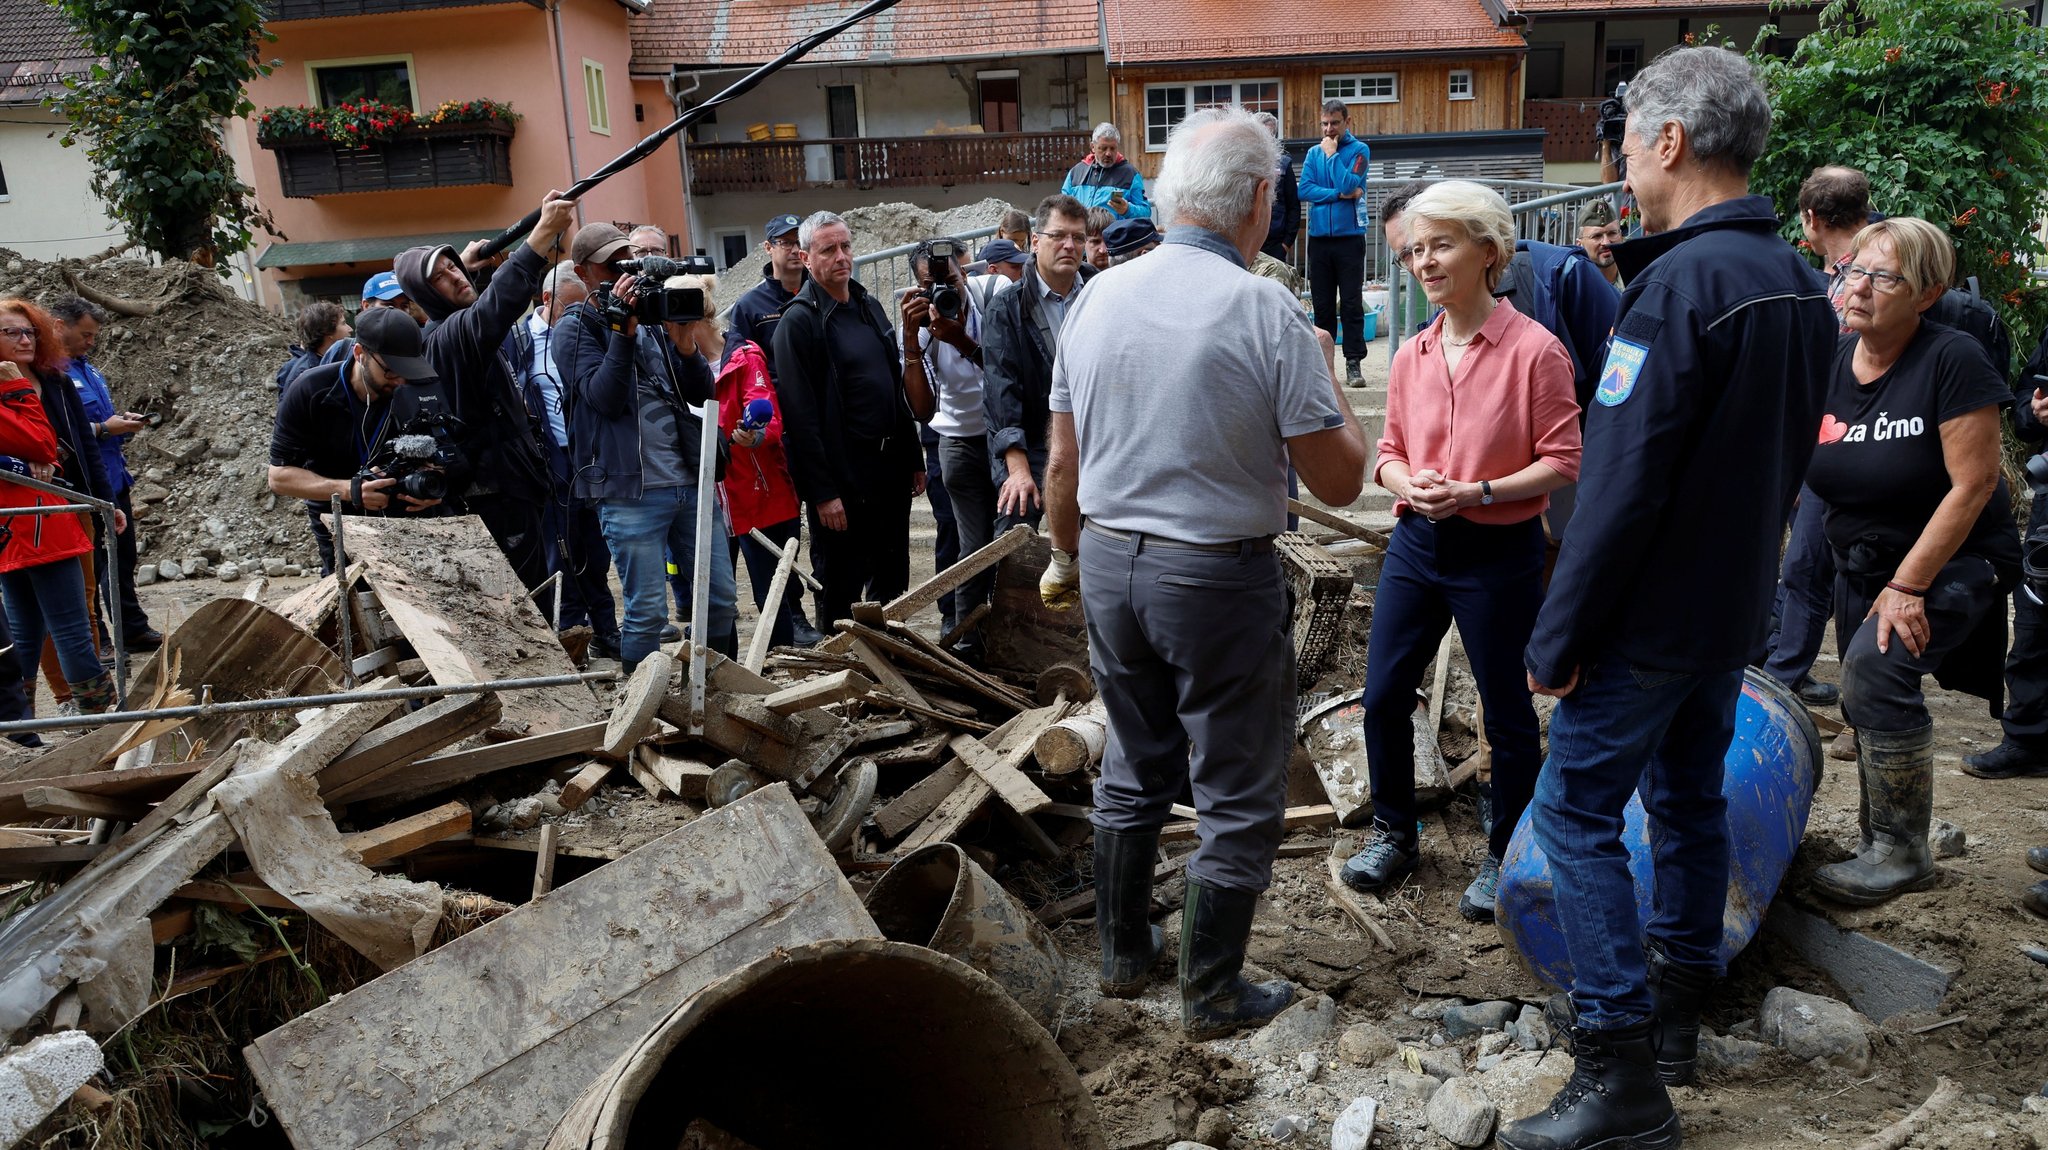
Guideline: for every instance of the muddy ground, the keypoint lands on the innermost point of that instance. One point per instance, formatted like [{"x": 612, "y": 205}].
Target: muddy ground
[{"x": 1152, "y": 1088}]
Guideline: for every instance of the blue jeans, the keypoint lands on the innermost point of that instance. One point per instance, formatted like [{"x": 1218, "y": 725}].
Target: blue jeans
[
  {"x": 1806, "y": 594},
  {"x": 1628, "y": 728},
  {"x": 50, "y": 599},
  {"x": 641, "y": 534}
]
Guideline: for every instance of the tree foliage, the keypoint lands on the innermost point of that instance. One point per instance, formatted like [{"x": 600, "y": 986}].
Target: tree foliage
[
  {"x": 1944, "y": 105},
  {"x": 150, "y": 113}
]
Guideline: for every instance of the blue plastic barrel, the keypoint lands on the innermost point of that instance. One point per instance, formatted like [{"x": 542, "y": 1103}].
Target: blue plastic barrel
[{"x": 1772, "y": 768}]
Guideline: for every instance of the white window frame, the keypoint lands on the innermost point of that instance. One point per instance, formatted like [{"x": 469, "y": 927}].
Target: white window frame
[
  {"x": 597, "y": 98},
  {"x": 1471, "y": 85},
  {"x": 412, "y": 75},
  {"x": 1357, "y": 80},
  {"x": 1187, "y": 91}
]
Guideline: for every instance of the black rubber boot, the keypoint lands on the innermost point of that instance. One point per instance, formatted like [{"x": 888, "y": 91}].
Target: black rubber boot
[
  {"x": 1215, "y": 999},
  {"x": 1613, "y": 1100},
  {"x": 2037, "y": 858},
  {"x": 2036, "y": 899},
  {"x": 2007, "y": 760},
  {"x": 1897, "y": 769},
  {"x": 1679, "y": 991},
  {"x": 1131, "y": 945}
]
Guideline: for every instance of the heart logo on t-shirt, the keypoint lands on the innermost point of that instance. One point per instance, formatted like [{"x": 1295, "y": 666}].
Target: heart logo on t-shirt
[{"x": 1832, "y": 430}]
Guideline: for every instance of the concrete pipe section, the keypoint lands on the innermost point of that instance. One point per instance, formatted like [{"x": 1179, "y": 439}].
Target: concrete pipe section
[
  {"x": 847, "y": 1042},
  {"x": 937, "y": 897}
]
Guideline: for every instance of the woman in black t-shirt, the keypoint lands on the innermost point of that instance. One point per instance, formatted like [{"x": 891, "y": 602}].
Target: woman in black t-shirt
[{"x": 1922, "y": 530}]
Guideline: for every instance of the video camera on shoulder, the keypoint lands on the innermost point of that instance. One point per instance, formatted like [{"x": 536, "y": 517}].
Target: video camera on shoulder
[
  {"x": 657, "y": 302},
  {"x": 1614, "y": 121},
  {"x": 945, "y": 256},
  {"x": 421, "y": 454}
]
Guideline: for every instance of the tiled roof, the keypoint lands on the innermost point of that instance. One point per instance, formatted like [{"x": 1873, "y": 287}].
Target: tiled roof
[
  {"x": 38, "y": 51},
  {"x": 1163, "y": 31},
  {"x": 727, "y": 33}
]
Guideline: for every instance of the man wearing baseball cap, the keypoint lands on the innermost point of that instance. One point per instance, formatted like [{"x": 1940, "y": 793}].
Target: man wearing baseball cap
[
  {"x": 335, "y": 419},
  {"x": 755, "y": 314}
]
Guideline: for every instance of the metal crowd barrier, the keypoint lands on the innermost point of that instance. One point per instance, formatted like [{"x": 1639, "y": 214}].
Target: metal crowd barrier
[{"x": 108, "y": 567}]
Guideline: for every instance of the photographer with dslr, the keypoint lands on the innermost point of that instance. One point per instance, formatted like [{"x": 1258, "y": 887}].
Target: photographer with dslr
[
  {"x": 334, "y": 433},
  {"x": 632, "y": 371},
  {"x": 941, "y": 336}
]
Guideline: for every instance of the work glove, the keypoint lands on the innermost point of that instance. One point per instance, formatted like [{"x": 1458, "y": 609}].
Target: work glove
[{"x": 1060, "y": 587}]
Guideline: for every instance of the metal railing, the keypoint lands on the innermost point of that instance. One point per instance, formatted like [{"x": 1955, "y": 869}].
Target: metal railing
[{"x": 108, "y": 569}]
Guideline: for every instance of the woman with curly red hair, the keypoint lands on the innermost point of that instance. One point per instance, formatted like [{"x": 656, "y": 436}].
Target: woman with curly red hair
[{"x": 43, "y": 424}]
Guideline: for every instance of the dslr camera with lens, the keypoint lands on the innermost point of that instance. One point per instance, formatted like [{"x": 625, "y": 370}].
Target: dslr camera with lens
[
  {"x": 419, "y": 456},
  {"x": 656, "y": 302},
  {"x": 946, "y": 300}
]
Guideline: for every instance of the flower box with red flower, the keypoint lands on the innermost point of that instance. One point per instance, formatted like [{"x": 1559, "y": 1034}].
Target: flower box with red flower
[{"x": 365, "y": 146}]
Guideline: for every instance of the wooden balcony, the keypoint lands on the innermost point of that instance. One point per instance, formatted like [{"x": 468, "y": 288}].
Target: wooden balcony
[
  {"x": 1571, "y": 127},
  {"x": 891, "y": 162},
  {"x": 447, "y": 156},
  {"x": 276, "y": 10}
]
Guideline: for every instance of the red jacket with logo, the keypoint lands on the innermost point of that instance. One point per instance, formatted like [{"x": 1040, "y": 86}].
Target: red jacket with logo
[{"x": 26, "y": 434}]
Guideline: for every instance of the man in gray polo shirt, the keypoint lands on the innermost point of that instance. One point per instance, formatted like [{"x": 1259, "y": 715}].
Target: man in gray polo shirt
[{"x": 1169, "y": 448}]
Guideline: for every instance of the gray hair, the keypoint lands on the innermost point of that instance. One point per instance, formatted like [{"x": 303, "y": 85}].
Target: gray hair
[
  {"x": 1208, "y": 178},
  {"x": 1479, "y": 210},
  {"x": 1271, "y": 121},
  {"x": 566, "y": 270},
  {"x": 809, "y": 228},
  {"x": 1714, "y": 95},
  {"x": 1106, "y": 131},
  {"x": 655, "y": 228}
]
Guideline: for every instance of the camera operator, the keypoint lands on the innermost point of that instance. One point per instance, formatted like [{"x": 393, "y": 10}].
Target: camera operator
[
  {"x": 508, "y": 480},
  {"x": 941, "y": 334},
  {"x": 634, "y": 438},
  {"x": 335, "y": 421}
]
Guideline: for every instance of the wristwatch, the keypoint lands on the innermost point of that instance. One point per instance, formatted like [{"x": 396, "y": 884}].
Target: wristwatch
[{"x": 1485, "y": 493}]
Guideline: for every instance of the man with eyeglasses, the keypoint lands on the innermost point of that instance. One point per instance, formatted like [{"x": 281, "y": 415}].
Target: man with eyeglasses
[
  {"x": 647, "y": 240},
  {"x": 336, "y": 418},
  {"x": 1020, "y": 340},
  {"x": 754, "y": 315}
]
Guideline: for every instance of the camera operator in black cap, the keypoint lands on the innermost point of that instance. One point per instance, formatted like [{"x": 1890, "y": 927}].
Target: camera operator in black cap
[{"x": 334, "y": 426}]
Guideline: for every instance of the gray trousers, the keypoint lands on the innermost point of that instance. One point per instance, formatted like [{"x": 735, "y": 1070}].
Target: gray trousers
[
  {"x": 963, "y": 461},
  {"x": 1193, "y": 647}
]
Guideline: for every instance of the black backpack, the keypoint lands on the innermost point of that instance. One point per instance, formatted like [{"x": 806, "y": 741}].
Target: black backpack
[{"x": 1966, "y": 309}]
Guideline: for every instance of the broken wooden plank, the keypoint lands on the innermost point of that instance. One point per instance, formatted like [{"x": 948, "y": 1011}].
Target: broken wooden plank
[
  {"x": 955, "y": 812},
  {"x": 681, "y": 777},
  {"x": 1337, "y": 522},
  {"x": 146, "y": 784},
  {"x": 822, "y": 691},
  {"x": 702, "y": 901},
  {"x": 450, "y": 591},
  {"x": 410, "y": 737},
  {"x": 403, "y": 836},
  {"x": 49, "y": 801},
  {"x": 18, "y": 863},
  {"x": 544, "y": 860},
  {"x": 578, "y": 790},
  {"x": 446, "y": 770},
  {"x": 886, "y": 674},
  {"x": 1319, "y": 815},
  {"x": 951, "y": 579},
  {"x": 878, "y": 699},
  {"x": 910, "y": 808},
  {"x": 889, "y": 643},
  {"x": 1001, "y": 773},
  {"x": 953, "y": 664},
  {"x": 764, "y": 624},
  {"x": 240, "y": 895},
  {"x": 565, "y": 847}
]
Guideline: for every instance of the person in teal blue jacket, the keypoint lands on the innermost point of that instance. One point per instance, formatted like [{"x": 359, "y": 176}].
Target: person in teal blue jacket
[
  {"x": 1106, "y": 180},
  {"x": 1332, "y": 184}
]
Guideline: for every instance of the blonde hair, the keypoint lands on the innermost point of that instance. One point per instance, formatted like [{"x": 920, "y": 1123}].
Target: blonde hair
[
  {"x": 1474, "y": 207},
  {"x": 1926, "y": 257},
  {"x": 712, "y": 342}
]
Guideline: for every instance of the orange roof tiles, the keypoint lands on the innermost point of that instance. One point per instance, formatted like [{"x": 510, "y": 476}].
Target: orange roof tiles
[
  {"x": 1160, "y": 31},
  {"x": 731, "y": 33},
  {"x": 1607, "y": 7}
]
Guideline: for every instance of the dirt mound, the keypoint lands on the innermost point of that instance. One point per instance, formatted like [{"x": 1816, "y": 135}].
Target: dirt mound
[
  {"x": 883, "y": 226},
  {"x": 201, "y": 367}
]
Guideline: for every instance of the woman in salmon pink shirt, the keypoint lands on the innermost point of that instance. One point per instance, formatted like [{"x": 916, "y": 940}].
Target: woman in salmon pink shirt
[{"x": 1481, "y": 426}]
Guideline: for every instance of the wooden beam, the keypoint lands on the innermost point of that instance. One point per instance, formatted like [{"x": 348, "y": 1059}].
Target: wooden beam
[
  {"x": 411, "y": 737},
  {"x": 544, "y": 860},
  {"x": 999, "y": 690},
  {"x": 764, "y": 624},
  {"x": 406, "y": 835},
  {"x": 446, "y": 770},
  {"x": 886, "y": 674},
  {"x": 922, "y": 798},
  {"x": 144, "y": 783},
  {"x": 578, "y": 790},
  {"x": 1337, "y": 522},
  {"x": 681, "y": 777},
  {"x": 951, "y": 579},
  {"x": 28, "y": 862},
  {"x": 819, "y": 692},
  {"x": 1322, "y": 814},
  {"x": 889, "y": 644},
  {"x": 48, "y": 800},
  {"x": 240, "y": 895}
]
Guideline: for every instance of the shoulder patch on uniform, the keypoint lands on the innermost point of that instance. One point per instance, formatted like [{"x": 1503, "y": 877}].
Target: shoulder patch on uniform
[{"x": 1624, "y": 366}]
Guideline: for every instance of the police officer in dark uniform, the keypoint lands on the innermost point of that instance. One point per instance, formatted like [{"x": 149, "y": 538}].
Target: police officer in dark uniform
[
  {"x": 1702, "y": 422},
  {"x": 754, "y": 315}
]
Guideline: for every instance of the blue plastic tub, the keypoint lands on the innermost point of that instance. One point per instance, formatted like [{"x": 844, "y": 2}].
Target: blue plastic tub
[{"x": 1772, "y": 768}]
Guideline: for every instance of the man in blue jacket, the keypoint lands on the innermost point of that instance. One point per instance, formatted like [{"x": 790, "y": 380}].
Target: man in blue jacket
[
  {"x": 1702, "y": 423},
  {"x": 1332, "y": 183},
  {"x": 1106, "y": 180}
]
